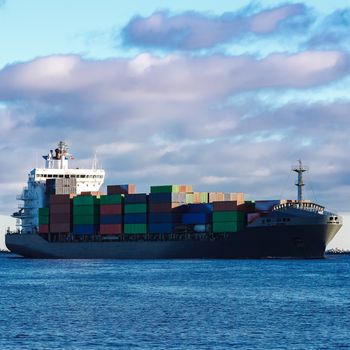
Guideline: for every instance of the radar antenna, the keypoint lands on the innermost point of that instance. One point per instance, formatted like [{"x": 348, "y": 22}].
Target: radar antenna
[{"x": 300, "y": 169}]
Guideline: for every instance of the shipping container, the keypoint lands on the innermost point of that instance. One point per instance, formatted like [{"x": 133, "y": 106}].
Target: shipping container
[
  {"x": 88, "y": 210},
  {"x": 162, "y": 207},
  {"x": 165, "y": 189},
  {"x": 60, "y": 227},
  {"x": 225, "y": 206},
  {"x": 121, "y": 189},
  {"x": 200, "y": 197},
  {"x": 161, "y": 218},
  {"x": 199, "y": 208},
  {"x": 111, "y": 209},
  {"x": 196, "y": 218},
  {"x": 111, "y": 229},
  {"x": 160, "y": 228},
  {"x": 135, "y": 208},
  {"x": 43, "y": 228},
  {"x": 135, "y": 228},
  {"x": 135, "y": 218},
  {"x": 44, "y": 211},
  {"x": 189, "y": 198},
  {"x": 137, "y": 198},
  {"x": 226, "y": 216},
  {"x": 44, "y": 219},
  {"x": 111, "y": 199},
  {"x": 85, "y": 229},
  {"x": 221, "y": 227},
  {"x": 176, "y": 197},
  {"x": 111, "y": 219},
  {"x": 85, "y": 220},
  {"x": 86, "y": 200},
  {"x": 60, "y": 218},
  {"x": 61, "y": 208}
]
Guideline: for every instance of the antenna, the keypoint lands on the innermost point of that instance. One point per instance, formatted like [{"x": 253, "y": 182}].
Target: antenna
[
  {"x": 300, "y": 169},
  {"x": 94, "y": 162}
]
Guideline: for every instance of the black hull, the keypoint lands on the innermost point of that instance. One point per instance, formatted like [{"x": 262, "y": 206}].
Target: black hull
[{"x": 305, "y": 241}]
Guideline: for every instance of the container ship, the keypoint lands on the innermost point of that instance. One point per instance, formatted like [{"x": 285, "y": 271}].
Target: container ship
[{"x": 65, "y": 215}]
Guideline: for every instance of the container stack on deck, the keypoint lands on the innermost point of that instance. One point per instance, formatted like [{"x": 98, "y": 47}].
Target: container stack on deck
[
  {"x": 111, "y": 214},
  {"x": 170, "y": 209},
  {"x": 86, "y": 215},
  {"x": 162, "y": 202},
  {"x": 44, "y": 220},
  {"x": 60, "y": 213},
  {"x": 135, "y": 213}
]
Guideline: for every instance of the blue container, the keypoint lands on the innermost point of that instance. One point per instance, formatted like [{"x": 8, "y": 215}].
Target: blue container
[
  {"x": 84, "y": 229},
  {"x": 138, "y": 198},
  {"x": 135, "y": 218},
  {"x": 160, "y": 218},
  {"x": 200, "y": 208},
  {"x": 160, "y": 228},
  {"x": 196, "y": 219},
  {"x": 111, "y": 219}
]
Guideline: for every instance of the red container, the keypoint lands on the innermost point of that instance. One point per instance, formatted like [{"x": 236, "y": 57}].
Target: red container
[
  {"x": 61, "y": 208},
  {"x": 60, "y": 227},
  {"x": 43, "y": 228},
  {"x": 111, "y": 229},
  {"x": 110, "y": 209},
  {"x": 61, "y": 198},
  {"x": 225, "y": 206},
  {"x": 61, "y": 218},
  {"x": 121, "y": 189},
  {"x": 162, "y": 207}
]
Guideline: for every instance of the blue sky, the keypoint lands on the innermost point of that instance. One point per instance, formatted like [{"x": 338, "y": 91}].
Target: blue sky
[{"x": 224, "y": 96}]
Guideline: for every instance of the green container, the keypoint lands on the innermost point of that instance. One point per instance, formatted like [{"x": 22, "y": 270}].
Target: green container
[
  {"x": 86, "y": 220},
  {"x": 135, "y": 208},
  {"x": 135, "y": 228},
  {"x": 165, "y": 189},
  {"x": 204, "y": 197},
  {"x": 227, "y": 216},
  {"x": 86, "y": 210},
  {"x": 111, "y": 199},
  {"x": 44, "y": 220},
  {"x": 44, "y": 212},
  {"x": 86, "y": 200},
  {"x": 189, "y": 198},
  {"x": 220, "y": 227}
]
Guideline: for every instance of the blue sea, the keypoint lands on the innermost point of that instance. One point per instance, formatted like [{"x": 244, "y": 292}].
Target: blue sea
[{"x": 175, "y": 304}]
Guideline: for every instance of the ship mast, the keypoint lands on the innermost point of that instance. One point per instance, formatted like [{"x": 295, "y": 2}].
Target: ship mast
[{"x": 300, "y": 169}]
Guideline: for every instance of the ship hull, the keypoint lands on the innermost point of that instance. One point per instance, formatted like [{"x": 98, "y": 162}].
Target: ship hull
[{"x": 306, "y": 241}]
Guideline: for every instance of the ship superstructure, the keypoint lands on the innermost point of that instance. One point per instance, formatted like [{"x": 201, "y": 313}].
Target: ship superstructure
[{"x": 56, "y": 171}]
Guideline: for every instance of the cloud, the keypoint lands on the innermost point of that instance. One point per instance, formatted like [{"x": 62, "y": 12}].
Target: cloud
[
  {"x": 158, "y": 120},
  {"x": 332, "y": 32},
  {"x": 194, "y": 31}
]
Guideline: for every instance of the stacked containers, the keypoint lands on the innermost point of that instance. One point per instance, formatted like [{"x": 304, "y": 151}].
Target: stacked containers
[
  {"x": 44, "y": 220},
  {"x": 227, "y": 217},
  {"x": 85, "y": 215},
  {"x": 162, "y": 201},
  {"x": 121, "y": 189},
  {"x": 135, "y": 213},
  {"x": 111, "y": 214},
  {"x": 60, "y": 213},
  {"x": 198, "y": 215}
]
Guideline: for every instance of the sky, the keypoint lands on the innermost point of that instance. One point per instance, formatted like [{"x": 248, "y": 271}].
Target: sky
[{"x": 226, "y": 96}]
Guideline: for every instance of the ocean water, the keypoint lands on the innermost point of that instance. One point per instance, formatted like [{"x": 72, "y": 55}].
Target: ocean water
[{"x": 175, "y": 304}]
